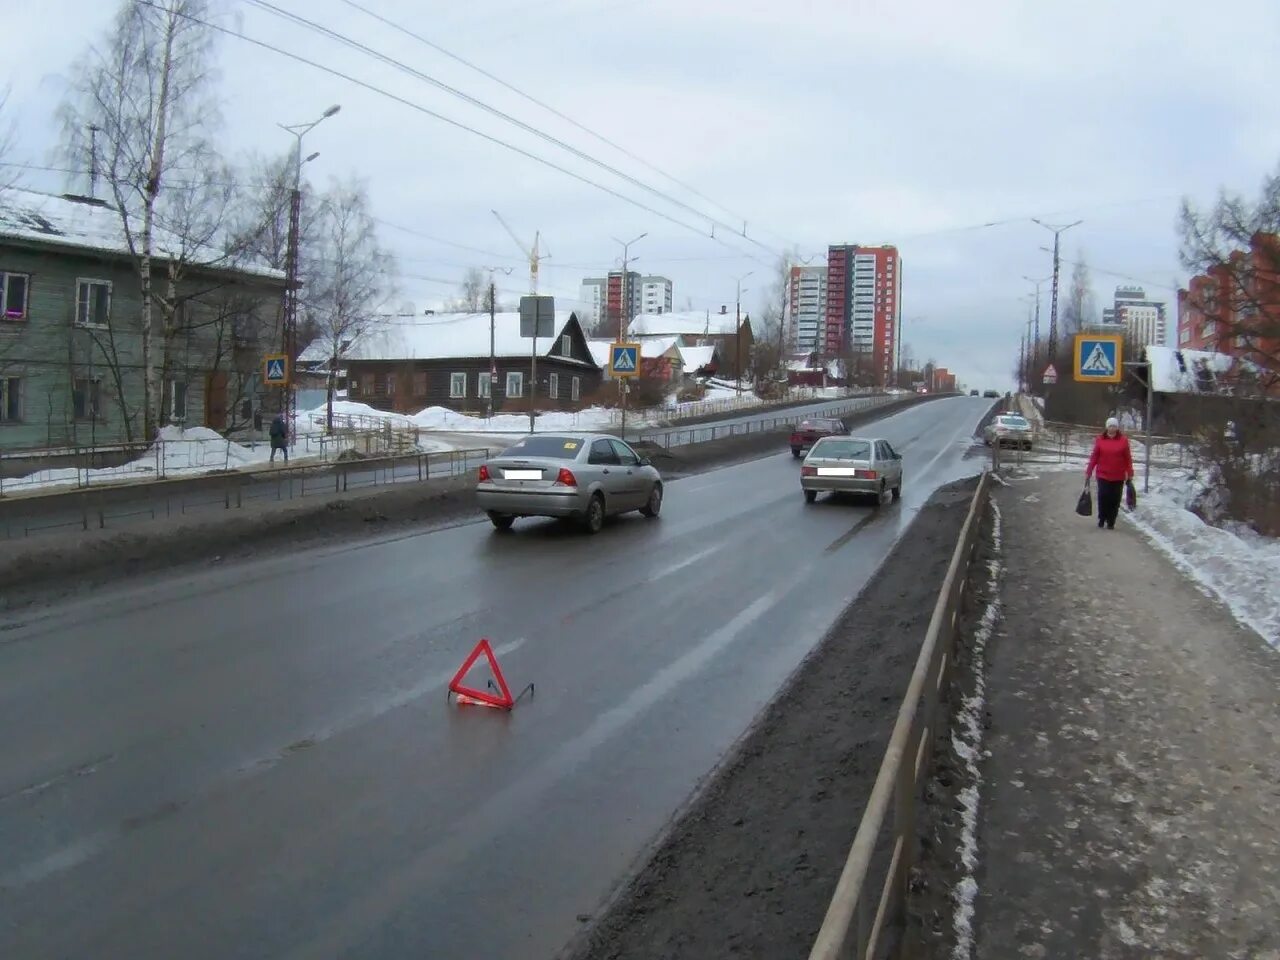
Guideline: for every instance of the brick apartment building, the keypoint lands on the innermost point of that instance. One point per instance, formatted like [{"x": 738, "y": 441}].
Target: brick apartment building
[
  {"x": 1234, "y": 308},
  {"x": 864, "y": 304}
]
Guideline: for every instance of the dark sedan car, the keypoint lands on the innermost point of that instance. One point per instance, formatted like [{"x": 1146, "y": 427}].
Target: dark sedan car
[{"x": 811, "y": 431}]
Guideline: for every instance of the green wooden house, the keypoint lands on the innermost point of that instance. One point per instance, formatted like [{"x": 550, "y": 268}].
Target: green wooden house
[{"x": 71, "y": 371}]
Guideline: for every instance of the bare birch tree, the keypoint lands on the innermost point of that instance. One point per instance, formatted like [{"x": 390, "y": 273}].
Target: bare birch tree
[
  {"x": 148, "y": 90},
  {"x": 352, "y": 275},
  {"x": 1081, "y": 307}
]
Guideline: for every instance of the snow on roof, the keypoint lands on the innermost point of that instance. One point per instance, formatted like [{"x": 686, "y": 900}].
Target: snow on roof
[
  {"x": 446, "y": 336},
  {"x": 653, "y": 347},
  {"x": 600, "y": 352},
  {"x": 693, "y": 323},
  {"x": 1189, "y": 371},
  {"x": 87, "y": 224},
  {"x": 695, "y": 358}
]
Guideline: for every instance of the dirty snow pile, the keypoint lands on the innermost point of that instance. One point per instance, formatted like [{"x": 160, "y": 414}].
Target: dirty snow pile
[{"x": 1239, "y": 567}]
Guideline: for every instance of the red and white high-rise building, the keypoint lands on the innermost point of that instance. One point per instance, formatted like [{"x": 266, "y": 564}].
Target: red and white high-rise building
[{"x": 864, "y": 306}]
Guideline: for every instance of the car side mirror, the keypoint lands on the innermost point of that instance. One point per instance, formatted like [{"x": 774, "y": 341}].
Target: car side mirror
[{"x": 646, "y": 462}]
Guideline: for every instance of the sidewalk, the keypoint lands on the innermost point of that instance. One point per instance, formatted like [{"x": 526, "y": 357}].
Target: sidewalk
[{"x": 1130, "y": 800}]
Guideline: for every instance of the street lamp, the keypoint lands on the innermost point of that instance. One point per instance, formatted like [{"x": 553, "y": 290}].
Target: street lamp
[
  {"x": 1053, "y": 305},
  {"x": 738, "y": 330},
  {"x": 290, "y": 326},
  {"x": 624, "y": 322}
]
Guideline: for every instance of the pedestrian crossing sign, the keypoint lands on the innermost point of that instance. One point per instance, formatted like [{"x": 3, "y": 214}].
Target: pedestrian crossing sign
[
  {"x": 1099, "y": 357},
  {"x": 275, "y": 370},
  {"x": 624, "y": 359}
]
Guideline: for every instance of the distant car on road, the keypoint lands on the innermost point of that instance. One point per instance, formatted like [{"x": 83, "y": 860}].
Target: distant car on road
[
  {"x": 973, "y": 393},
  {"x": 861, "y": 465},
  {"x": 992, "y": 394},
  {"x": 584, "y": 476},
  {"x": 1009, "y": 430},
  {"x": 810, "y": 432}
]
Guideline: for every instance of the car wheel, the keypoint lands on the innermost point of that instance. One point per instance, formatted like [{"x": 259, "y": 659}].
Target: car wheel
[
  {"x": 897, "y": 491},
  {"x": 501, "y": 521},
  {"x": 594, "y": 519},
  {"x": 810, "y": 496},
  {"x": 654, "y": 506},
  {"x": 795, "y": 453}
]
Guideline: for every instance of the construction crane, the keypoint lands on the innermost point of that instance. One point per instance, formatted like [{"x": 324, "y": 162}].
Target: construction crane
[{"x": 531, "y": 252}]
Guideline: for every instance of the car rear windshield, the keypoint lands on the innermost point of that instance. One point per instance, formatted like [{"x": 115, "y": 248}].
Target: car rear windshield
[
  {"x": 821, "y": 425},
  {"x": 553, "y": 448},
  {"x": 1015, "y": 421},
  {"x": 843, "y": 449}
]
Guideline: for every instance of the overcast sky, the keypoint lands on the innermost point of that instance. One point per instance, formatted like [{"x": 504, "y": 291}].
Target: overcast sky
[{"x": 817, "y": 122}]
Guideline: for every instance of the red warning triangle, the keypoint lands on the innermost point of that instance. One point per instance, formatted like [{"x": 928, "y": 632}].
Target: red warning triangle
[{"x": 467, "y": 694}]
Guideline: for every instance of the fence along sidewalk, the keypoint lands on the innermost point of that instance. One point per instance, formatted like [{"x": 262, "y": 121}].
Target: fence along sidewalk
[{"x": 850, "y": 929}]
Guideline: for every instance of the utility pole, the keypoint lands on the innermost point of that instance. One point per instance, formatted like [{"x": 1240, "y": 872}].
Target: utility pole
[
  {"x": 1035, "y": 341},
  {"x": 624, "y": 323},
  {"x": 93, "y": 160},
  {"x": 493, "y": 359},
  {"x": 1053, "y": 305},
  {"x": 290, "y": 396},
  {"x": 737, "y": 333}
]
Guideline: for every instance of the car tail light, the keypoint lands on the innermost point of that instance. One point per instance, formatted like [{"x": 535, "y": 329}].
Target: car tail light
[
  {"x": 795, "y": 438},
  {"x": 866, "y": 475},
  {"x": 565, "y": 478},
  {"x": 808, "y": 471},
  {"x": 484, "y": 474}
]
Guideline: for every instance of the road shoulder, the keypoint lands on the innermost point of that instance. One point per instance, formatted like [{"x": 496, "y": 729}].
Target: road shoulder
[
  {"x": 1128, "y": 800},
  {"x": 749, "y": 866}
]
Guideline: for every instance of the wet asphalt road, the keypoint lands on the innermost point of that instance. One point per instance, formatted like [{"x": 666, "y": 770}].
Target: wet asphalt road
[{"x": 261, "y": 762}]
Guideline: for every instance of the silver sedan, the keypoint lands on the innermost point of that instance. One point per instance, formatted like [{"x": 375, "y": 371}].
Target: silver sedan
[
  {"x": 586, "y": 476},
  {"x": 865, "y": 465},
  {"x": 1009, "y": 430}
]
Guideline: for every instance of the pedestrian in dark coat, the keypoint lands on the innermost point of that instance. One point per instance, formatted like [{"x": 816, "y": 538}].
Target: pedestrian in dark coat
[
  {"x": 279, "y": 437},
  {"x": 1112, "y": 460}
]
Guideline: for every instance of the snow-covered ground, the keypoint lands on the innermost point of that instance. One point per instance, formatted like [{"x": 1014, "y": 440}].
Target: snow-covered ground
[
  {"x": 1231, "y": 562},
  {"x": 1238, "y": 566}
]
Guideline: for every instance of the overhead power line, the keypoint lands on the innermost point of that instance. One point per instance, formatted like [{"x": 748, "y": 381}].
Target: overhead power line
[
  {"x": 280, "y": 12},
  {"x": 552, "y": 110},
  {"x": 373, "y": 88}
]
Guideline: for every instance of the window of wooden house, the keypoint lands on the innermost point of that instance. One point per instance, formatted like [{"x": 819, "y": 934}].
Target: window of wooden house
[
  {"x": 353, "y": 387},
  {"x": 10, "y": 399},
  {"x": 483, "y": 383},
  {"x": 515, "y": 384},
  {"x": 575, "y": 388},
  {"x": 566, "y": 345},
  {"x": 13, "y": 296},
  {"x": 86, "y": 398},
  {"x": 389, "y": 381},
  {"x": 368, "y": 385},
  {"x": 457, "y": 386},
  {"x": 419, "y": 383},
  {"x": 93, "y": 302},
  {"x": 553, "y": 386}
]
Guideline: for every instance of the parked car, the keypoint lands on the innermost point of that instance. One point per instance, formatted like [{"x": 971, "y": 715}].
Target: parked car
[
  {"x": 973, "y": 393},
  {"x": 810, "y": 432},
  {"x": 861, "y": 465},
  {"x": 1009, "y": 430},
  {"x": 586, "y": 477}
]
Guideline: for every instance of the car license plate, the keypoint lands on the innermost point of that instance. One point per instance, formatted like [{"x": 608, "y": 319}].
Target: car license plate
[
  {"x": 837, "y": 472},
  {"x": 522, "y": 474}
]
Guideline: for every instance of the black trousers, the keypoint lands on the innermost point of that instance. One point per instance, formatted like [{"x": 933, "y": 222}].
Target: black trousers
[{"x": 1110, "y": 493}]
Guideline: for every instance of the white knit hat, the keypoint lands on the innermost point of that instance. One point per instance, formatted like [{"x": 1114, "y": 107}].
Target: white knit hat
[{"x": 1113, "y": 422}]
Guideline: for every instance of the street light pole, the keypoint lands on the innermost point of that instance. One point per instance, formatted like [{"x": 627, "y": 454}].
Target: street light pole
[
  {"x": 624, "y": 322},
  {"x": 290, "y": 324},
  {"x": 737, "y": 337},
  {"x": 1053, "y": 306}
]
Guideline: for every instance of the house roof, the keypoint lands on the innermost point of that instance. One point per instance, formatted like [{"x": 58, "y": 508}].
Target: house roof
[
  {"x": 81, "y": 223},
  {"x": 691, "y": 323},
  {"x": 695, "y": 358},
  {"x": 654, "y": 347},
  {"x": 447, "y": 336},
  {"x": 600, "y": 352},
  {"x": 1190, "y": 371}
]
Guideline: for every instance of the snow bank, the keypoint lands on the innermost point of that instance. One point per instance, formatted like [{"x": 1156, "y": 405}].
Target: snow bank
[
  {"x": 442, "y": 418},
  {"x": 1238, "y": 567}
]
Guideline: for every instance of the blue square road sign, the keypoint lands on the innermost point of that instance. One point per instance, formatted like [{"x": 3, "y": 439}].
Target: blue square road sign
[
  {"x": 1099, "y": 358},
  {"x": 624, "y": 359}
]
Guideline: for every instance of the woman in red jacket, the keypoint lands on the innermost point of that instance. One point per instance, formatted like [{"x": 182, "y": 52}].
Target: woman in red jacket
[{"x": 1113, "y": 462}]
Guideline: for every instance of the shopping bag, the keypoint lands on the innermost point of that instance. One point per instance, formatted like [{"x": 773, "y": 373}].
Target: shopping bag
[
  {"x": 1130, "y": 495},
  {"x": 1084, "y": 506}
]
